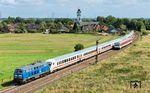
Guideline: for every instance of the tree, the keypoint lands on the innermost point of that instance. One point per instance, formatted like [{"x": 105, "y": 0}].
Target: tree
[
  {"x": 38, "y": 21},
  {"x": 5, "y": 27},
  {"x": 11, "y": 20},
  {"x": 147, "y": 24},
  {"x": 126, "y": 22},
  {"x": 118, "y": 23},
  {"x": 42, "y": 26},
  {"x": 69, "y": 24},
  {"x": 30, "y": 21},
  {"x": 59, "y": 25},
  {"x": 140, "y": 26},
  {"x": 76, "y": 28},
  {"x": 1, "y": 27},
  {"x": 133, "y": 24},
  {"x": 78, "y": 47},
  {"x": 101, "y": 19},
  {"x": 21, "y": 28},
  {"x": 110, "y": 20},
  {"x": 19, "y": 20},
  {"x": 123, "y": 27}
]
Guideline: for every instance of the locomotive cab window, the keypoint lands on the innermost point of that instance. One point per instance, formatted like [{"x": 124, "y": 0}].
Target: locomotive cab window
[{"x": 18, "y": 71}]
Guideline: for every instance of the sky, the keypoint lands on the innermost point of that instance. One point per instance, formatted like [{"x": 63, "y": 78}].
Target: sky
[{"x": 68, "y": 8}]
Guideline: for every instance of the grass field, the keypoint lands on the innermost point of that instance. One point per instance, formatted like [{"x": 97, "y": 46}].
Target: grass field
[
  {"x": 17, "y": 50},
  {"x": 111, "y": 75}
]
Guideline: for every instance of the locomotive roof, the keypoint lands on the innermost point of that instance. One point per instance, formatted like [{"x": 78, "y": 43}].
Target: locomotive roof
[{"x": 27, "y": 67}]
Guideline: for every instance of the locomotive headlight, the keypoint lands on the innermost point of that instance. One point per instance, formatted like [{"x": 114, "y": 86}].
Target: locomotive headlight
[{"x": 20, "y": 75}]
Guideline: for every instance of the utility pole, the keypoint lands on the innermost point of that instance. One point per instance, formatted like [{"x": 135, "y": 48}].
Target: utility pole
[{"x": 97, "y": 51}]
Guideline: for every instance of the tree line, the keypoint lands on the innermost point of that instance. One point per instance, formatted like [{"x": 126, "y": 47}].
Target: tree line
[
  {"x": 138, "y": 24},
  {"x": 36, "y": 25},
  {"x": 33, "y": 25}
]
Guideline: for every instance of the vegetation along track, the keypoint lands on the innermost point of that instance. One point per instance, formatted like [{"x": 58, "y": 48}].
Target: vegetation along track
[{"x": 42, "y": 82}]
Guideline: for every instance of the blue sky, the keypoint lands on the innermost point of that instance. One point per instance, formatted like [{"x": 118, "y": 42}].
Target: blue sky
[{"x": 68, "y": 8}]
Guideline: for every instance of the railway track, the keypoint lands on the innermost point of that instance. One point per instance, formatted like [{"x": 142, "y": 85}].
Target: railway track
[{"x": 42, "y": 82}]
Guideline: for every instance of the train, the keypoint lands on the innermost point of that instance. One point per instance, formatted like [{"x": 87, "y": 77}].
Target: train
[{"x": 39, "y": 69}]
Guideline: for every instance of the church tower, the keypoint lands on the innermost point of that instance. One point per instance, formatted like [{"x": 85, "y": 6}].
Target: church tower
[{"x": 79, "y": 16}]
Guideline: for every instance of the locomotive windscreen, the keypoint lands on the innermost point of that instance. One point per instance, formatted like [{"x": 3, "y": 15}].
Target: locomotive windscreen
[{"x": 18, "y": 71}]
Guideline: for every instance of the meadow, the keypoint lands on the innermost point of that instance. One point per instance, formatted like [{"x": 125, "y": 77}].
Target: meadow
[
  {"x": 17, "y": 50},
  {"x": 112, "y": 75}
]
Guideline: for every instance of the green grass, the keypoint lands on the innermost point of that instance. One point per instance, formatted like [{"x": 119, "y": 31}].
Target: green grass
[
  {"x": 111, "y": 75},
  {"x": 17, "y": 50}
]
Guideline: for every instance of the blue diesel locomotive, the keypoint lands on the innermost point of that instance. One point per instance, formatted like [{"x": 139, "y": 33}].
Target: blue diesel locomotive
[{"x": 31, "y": 72}]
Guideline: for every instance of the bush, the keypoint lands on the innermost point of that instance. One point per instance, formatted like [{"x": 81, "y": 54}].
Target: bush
[
  {"x": 20, "y": 31},
  {"x": 32, "y": 31},
  {"x": 78, "y": 47},
  {"x": 144, "y": 32}
]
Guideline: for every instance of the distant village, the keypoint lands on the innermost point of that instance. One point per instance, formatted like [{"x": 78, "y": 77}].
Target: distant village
[{"x": 101, "y": 25}]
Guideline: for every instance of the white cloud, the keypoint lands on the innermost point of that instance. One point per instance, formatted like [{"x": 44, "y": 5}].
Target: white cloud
[
  {"x": 74, "y": 2},
  {"x": 64, "y": 7},
  {"x": 8, "y": 2},
  {"x": 32, "y": 2},
  {"x": 22, "y": 2}
]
